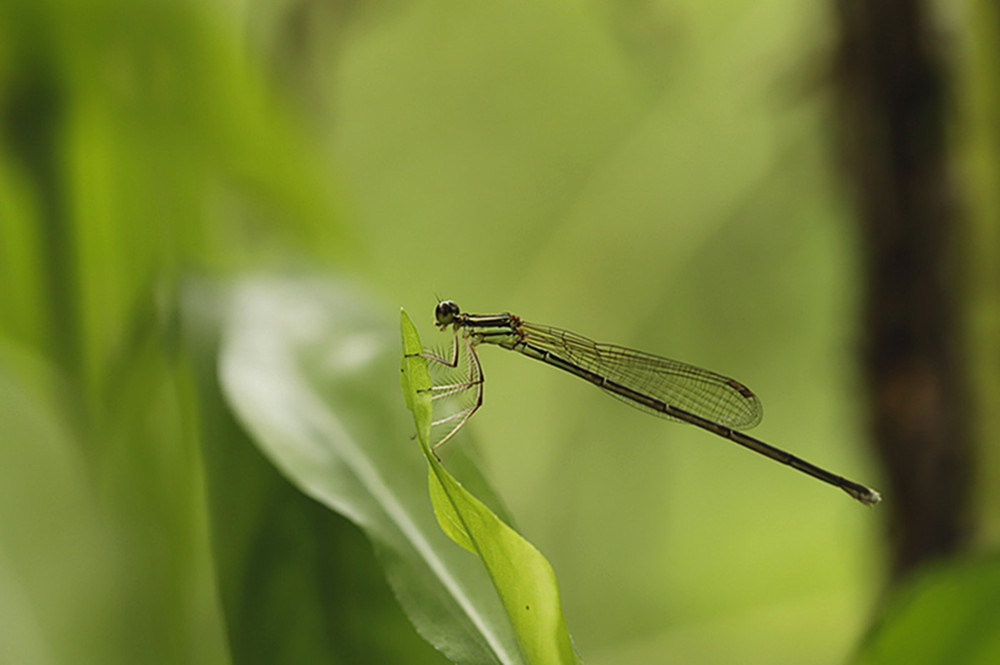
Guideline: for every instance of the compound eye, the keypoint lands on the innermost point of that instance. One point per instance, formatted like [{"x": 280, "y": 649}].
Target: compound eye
[{"x": 446, "y": 312}]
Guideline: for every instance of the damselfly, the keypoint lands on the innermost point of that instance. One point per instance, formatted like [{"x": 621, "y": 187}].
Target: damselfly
[{"x": 666, "y": 388}]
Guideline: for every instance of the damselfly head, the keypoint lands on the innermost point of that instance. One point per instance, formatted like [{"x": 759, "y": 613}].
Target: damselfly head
[{"x": 446, "y": 312}]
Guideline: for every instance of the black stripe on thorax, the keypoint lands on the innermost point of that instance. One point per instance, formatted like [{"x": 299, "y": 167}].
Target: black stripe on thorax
[{"x": 504, "y": 320}]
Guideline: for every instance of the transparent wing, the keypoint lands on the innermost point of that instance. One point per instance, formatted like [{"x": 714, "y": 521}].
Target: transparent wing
[{"x": 707, "y": 394}]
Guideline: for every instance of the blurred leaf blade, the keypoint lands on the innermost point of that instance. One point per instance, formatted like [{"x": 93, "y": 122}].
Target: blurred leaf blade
[
  {"x": 522, "y": 576},
  {"x": 949, "y": 615},
  {"x": 59, "y": 560},
  {"x": 307, "y": 367},
  {"x": 296, "y": 582}
]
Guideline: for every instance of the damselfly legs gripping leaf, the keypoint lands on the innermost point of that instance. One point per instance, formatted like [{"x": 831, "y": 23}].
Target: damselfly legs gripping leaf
[{"x": 663, "y": 387}]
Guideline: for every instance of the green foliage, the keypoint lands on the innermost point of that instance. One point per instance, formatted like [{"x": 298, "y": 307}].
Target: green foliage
[
  {"x": 522, "y": 577},
  {"x": 309, "y": 369},
  {"x": 947, "y": 615},
  {"x": 655, "y": 174},
  {"x": 297, "y": 581}
]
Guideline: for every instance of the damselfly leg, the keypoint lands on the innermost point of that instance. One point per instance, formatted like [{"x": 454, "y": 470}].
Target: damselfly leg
[{"x": 472, "y": 382}]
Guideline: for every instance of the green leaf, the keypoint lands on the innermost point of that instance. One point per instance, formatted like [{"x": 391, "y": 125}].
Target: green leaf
[
  {"x": 948, "y": 615},
  {"x": 523, "y": 578},
  {"x": 310, "y": 367},
  {"x": 296, "y": 581}
]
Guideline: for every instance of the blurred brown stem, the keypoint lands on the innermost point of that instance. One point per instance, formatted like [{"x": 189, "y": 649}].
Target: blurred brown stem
[{"x": 890, "y": 86}]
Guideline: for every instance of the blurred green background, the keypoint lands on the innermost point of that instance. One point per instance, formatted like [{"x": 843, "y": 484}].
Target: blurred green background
[{"x": 656, "y": 174}]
